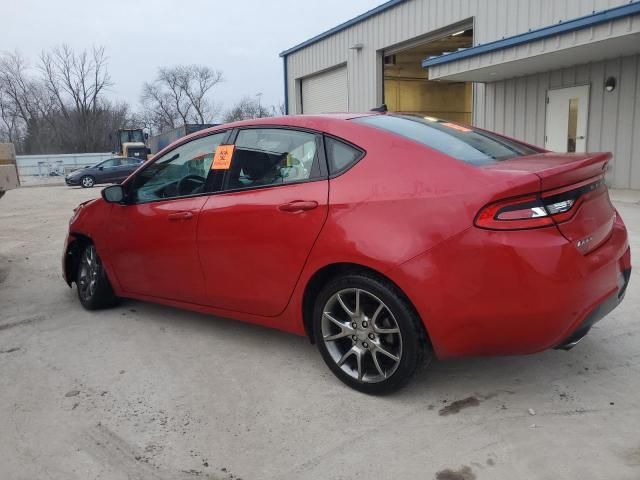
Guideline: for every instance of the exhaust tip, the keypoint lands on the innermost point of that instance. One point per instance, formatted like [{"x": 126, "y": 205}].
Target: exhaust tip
[{"x": 572, "y": 342}]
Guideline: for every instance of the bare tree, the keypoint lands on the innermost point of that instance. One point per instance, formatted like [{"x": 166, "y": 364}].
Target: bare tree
[
  {"x": 180, "y": 95},
  {"x": 248, "y": 108},
  {"x": 61, "y": 105},
  {"x": 76, "y": 82},
  {"x": 279, "y": 110},
  {"x": 9, "y": 122},
  {"x": 158, "y": 107},
  {"x": 196, "y": 81},
  {"x": 23, "y": 99}
]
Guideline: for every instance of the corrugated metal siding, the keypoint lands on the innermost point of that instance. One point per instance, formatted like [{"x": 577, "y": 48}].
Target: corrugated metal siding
[
  {"x": 520, "y": 59},
  {"x": 517, "y": 108},
  {"x": 494, "y": 19}
]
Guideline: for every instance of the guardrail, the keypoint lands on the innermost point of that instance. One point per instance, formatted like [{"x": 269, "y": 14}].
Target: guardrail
[{"x": 57, "y": 165}]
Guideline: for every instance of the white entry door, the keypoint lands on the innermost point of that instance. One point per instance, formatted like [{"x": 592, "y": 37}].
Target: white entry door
[{"x": 567, "y": 117}]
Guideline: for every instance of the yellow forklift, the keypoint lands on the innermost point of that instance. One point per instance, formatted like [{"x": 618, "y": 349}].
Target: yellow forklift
[{"x": 132, "y": 143}]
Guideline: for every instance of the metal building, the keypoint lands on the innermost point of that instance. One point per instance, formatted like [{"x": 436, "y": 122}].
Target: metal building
[{"x": 564, "y": 74}]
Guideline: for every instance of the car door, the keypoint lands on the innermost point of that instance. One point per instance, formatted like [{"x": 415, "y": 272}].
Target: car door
[
  {"x": 127, "y": 167},
  {"x": 255, "y": 236},
  {"x": 152, "y": 237},
  {"x": 107, "y": 171}
]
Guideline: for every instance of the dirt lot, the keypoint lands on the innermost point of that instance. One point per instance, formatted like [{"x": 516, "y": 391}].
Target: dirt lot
[{"x": 148, "y": 392}]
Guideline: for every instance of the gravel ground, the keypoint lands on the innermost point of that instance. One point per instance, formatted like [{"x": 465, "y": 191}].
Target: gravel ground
[{"x": 149, "y": 392}]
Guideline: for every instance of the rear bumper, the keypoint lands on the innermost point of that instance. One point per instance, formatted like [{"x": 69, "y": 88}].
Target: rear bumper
[
  {"x": 597, "y": 314},
  {"x": 509, "y": 293}
]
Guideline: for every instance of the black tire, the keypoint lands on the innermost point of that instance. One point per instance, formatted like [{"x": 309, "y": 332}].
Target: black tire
[
  {"x": 409, "y": 345},
  {"x": 94, "y": 288},
  {"x": 87, "y": 181}
]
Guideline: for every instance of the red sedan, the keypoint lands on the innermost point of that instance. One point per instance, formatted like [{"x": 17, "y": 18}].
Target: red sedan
[{"x": 386, "y": 239}]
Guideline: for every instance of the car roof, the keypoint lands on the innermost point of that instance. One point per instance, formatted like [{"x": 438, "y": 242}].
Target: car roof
[
  {"x": 320, "y": 122},
  {"x": 314, "y": 122}
]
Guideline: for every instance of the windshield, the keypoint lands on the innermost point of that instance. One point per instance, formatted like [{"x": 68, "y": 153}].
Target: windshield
[
  {"x": 462, "y": 142},
  {"x": 131, "y": 136}
]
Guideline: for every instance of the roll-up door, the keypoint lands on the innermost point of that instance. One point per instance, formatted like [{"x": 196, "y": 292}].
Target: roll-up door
[{"x": 326, "y": 92}]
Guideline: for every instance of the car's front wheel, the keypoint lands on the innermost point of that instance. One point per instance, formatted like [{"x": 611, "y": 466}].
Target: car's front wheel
[
  {"x": 94, "y": 288},
  {"x": 87, "y": 181},
  {"x": 368, "y": 334}
]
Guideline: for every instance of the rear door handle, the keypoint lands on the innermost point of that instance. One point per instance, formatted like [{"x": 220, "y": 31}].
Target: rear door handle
[
  {"x": 298, "y": 206},
  {"x": 180, "y": 216}
]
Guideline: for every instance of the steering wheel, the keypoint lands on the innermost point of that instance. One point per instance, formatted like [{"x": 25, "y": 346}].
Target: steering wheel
[{"x": 195, "y": 181}]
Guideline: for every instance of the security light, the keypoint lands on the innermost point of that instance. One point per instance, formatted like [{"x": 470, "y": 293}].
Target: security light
[{"x": 610, "y": 84}]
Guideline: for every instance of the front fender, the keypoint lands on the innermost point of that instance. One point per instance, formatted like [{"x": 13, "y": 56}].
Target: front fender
[{"x": 71, "y": 256}]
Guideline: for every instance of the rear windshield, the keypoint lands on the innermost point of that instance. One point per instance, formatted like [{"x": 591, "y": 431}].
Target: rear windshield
[{"x": 464, "y": 143}]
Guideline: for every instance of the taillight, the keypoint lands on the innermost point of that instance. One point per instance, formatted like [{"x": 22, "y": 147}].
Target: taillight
[
  {"x": 514, "y": 214},
  {"x": 538, "y": 210}
]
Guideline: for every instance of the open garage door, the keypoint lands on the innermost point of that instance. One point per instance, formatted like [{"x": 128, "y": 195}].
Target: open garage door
[
  {"x": 326, "y": 92},
  {"x": 408, "y": 89}
]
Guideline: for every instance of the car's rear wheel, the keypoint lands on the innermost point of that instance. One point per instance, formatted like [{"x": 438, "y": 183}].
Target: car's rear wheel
[
  {"x": 87, "y": 181},
  {"x": 368, "y": 334},
  {"x": 94, "y": 288}
]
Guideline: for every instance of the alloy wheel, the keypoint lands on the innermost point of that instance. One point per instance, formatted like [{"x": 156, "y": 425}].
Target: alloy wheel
[
  {"x": 88, "y": 273},
  {"x": 87, "y": 182},
  {"x": 361, "y": 335}
]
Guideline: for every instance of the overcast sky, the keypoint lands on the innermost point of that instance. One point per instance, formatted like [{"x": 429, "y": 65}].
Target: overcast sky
[{"x": 240, "y": 37}]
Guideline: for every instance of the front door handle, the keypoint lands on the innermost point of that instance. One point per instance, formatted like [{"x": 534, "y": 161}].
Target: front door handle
[
  {"x": 298, "y": 206},
  {"x": 180, "y": 216}
]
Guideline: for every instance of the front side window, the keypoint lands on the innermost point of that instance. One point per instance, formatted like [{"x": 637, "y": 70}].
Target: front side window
[
  {"x": 465, "y": 143},
  {"x": 181, "y": 172},
  {"x": 271, "y": 156}
]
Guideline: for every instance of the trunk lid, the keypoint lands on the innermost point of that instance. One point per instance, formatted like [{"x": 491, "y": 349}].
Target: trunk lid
[{"x": 574, "y": 193}]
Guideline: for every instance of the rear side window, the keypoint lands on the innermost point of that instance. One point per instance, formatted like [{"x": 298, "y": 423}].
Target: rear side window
[
  {"x": 340, "y": 155},
  {"x": 464, "y": 143},
  {"x": 267, "y": 156}
]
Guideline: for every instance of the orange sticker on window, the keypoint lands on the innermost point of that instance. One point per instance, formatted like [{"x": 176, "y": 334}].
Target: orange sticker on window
[
  {"x": 222, "y": 158},
  {"x": 460, "y": 128}
]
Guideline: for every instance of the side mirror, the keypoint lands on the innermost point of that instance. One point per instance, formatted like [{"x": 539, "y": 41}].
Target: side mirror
[
  {"x": 113, "y": 194},
  {"x": 100, "y": 168}
]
